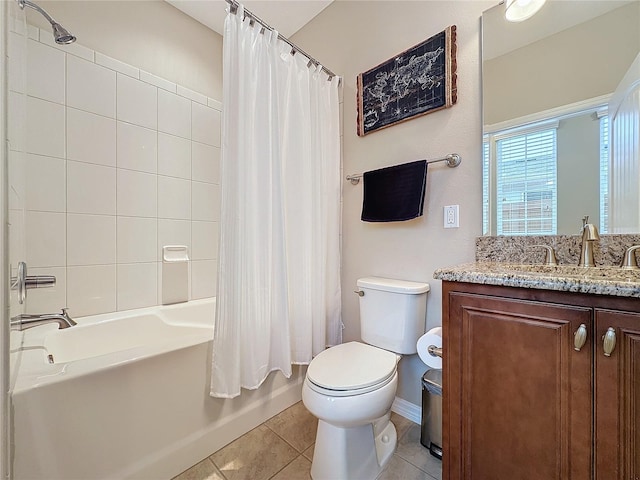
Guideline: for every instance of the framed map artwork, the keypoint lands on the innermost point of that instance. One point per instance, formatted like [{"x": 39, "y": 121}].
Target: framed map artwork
[{"x": 418, "y": 81}]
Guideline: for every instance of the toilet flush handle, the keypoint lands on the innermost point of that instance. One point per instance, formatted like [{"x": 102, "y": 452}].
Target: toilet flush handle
[{"x": 360, "y": 293}]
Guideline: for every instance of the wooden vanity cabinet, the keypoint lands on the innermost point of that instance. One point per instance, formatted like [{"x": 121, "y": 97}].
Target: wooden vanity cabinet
[{"x": 520, "y": 402}]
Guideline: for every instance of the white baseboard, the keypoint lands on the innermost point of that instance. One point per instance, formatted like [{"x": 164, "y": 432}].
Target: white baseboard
[{"x": 407, "y": 410}]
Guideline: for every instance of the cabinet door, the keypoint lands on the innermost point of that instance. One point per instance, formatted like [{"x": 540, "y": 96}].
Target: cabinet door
[
  {"x": 518, "y": 397},
  {"x": 617, "y": 414}
]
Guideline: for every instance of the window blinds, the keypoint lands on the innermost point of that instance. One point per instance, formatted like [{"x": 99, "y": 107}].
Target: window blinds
[
  {"x": 526, "y": 181},
  {"x": 604, "y": 174},
  {"x": 485, "y": 186}
]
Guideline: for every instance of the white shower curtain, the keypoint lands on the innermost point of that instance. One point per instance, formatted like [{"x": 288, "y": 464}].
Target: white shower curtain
[{"x": 279, "y": 263}]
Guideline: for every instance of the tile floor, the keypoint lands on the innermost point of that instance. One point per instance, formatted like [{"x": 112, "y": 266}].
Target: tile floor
[{"x": 282, "y": 449}]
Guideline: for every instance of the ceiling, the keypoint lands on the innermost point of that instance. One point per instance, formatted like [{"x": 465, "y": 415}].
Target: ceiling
[
  {"x": 553, "y": 17},
  {"x": 286, "y": 16}
]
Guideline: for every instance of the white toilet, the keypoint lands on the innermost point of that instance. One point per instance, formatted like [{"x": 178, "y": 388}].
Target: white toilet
[{"x": 351, "y": 387}]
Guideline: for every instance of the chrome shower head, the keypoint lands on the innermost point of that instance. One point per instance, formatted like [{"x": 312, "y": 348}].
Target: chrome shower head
[{"x": 60, "y": 34}]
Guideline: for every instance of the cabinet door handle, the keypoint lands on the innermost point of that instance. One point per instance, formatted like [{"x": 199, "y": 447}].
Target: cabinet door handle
[
  {"x": 580, "y": 337},
  {"x": 609, "y": 343}
]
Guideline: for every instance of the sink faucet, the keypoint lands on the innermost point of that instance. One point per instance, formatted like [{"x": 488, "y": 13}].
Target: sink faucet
[
  {"x": 28, "y": 320},
  {"x": 589, "y": 235}
]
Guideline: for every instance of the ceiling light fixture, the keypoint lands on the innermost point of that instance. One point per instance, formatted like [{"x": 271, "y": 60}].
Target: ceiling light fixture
[{"x": 520, "y": 10}]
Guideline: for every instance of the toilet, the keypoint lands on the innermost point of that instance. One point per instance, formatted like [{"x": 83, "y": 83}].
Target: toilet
[{"x": 350, "y": 387}]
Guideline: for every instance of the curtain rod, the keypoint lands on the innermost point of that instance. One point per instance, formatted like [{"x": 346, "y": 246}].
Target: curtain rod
[{"x": 234, "y": 5}]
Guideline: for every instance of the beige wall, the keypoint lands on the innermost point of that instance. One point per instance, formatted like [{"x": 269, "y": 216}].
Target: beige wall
[
  {"x": 351, "y": 37},
  {"x": 152, "y": 35},
  {"x": 578, "y": 172},
  {"x": 576, "y": 64}
]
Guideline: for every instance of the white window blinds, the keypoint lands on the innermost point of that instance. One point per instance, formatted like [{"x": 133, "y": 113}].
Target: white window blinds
[
  {"x": 526, "y": 182},
  {"x": 604, "y": 174},
  {"x": 485, "y": 186}
]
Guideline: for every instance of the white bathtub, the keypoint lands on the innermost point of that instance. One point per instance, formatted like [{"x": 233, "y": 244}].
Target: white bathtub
[{"x": 125, "y": 395}]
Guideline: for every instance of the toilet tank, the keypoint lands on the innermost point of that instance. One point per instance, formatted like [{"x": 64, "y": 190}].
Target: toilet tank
[{"x": 392, "y": 313}]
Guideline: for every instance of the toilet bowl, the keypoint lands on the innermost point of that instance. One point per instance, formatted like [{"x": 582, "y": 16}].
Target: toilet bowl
[
  {"x": 350, "y": 387},
  {"x": 355, "y": 438}
]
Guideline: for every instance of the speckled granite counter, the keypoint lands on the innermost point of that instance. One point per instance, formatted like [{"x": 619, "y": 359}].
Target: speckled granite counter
[
  {"x": 566, "y": 278},
  {"x": 521, "y": 249}
]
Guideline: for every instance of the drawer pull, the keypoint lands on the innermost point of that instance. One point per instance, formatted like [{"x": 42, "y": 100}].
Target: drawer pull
[
  {"x": 609, "y": 343},
  {"x": 580, "y": 337}
]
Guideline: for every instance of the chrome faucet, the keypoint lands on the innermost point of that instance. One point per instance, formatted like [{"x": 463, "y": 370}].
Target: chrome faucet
[
  {"x": 589, "y": 235},
  {"x": 28, "y": 320}
]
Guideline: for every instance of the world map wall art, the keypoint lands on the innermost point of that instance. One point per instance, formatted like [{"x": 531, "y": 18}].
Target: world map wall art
[{"x": 418, "y": 81}]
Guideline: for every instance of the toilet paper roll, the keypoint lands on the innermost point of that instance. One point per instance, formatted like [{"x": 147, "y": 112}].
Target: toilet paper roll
[{"x": 432, "y": 337}]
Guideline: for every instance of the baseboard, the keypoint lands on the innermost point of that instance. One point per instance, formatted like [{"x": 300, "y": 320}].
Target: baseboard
[{"x": 407, "y": 410}]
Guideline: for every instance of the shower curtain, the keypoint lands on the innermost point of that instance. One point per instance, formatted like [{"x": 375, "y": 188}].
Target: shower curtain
[{"x": 278, "y": 298}]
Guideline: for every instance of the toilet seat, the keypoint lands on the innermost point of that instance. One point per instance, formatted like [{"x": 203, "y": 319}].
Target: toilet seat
[{"x": 351, "y": 368}]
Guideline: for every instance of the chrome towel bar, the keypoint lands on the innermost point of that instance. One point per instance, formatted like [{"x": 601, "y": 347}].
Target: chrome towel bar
[{"x": 453, "y": 160}]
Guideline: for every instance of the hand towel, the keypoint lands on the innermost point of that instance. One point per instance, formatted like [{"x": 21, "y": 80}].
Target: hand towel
[{"x": 394, "y": 194}]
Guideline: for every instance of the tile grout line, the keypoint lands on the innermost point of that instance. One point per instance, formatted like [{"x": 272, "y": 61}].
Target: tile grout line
[
  {"x": 283, "y": 439},
  {"x": 285, "y": 466},
  {"x": 224, "y": 477}
]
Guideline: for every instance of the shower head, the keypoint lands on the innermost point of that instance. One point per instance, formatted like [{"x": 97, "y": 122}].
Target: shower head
[{"x": 60, "y": 34}]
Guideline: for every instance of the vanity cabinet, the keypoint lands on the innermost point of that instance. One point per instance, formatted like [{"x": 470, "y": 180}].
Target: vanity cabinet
[{"x": 523, "y": 401}]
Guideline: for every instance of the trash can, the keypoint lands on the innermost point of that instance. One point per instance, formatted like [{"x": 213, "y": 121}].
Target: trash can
[{"x": 431, "y": 434}]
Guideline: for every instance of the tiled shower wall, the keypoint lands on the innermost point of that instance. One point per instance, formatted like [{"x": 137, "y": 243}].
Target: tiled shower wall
[{"x": 118, "y": 163}]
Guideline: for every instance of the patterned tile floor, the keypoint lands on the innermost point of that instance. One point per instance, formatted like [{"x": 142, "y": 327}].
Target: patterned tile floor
[{"x": 282, "y": 449}]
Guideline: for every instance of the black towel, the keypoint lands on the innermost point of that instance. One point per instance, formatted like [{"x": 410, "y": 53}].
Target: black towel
[{"x": 395, "y": 193}]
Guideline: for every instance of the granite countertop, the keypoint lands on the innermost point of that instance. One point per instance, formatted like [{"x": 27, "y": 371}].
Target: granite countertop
[{"x": 565, "y": 278}]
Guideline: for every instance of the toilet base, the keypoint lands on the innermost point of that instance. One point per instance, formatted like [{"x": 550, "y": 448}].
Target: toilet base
[{"x": 353, "y": 453}]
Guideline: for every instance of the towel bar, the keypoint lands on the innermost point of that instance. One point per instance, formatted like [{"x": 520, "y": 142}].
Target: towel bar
[{"x": 453, "y": 160}]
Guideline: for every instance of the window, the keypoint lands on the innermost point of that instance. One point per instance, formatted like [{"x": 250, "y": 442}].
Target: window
[
  {"x": 604, "y": 174},
  {"x": 485, "y": 186},
  {"x": 526, "y": 182}
]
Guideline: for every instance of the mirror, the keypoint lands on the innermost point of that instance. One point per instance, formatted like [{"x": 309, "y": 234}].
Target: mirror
[{"x": 547, "y": 82}]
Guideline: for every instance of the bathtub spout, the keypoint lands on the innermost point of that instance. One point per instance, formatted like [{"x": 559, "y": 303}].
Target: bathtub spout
[{"x": 27, "y": 320}]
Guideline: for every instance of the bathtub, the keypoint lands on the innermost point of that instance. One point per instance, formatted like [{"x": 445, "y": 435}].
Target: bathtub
[{"x": 125, "y": 395}]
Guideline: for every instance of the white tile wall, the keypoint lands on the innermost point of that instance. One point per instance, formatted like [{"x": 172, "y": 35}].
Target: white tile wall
[
  {"x": 47, "y": 187},
  {"x": 137, "y": 239},
  {"x": 137, "y": 102},
  {"x": 137, "y": 285},
  {"x": 137, "y": 148},
  {"x": 84, "y": 80},
  {"x": 205, "y": 201},
  {"x": 205, "y": 162},
  {"x": 46, "y": 239},
  {"x": 48, "y": 63},
  {"x": 120, "y": 163},
  {"x": 205, "y": 124},
  {"x": 174, "y": 198},
  {"x": 90, "y": 188},
  {"x": 174, "y": 114},
  {"x": 45, "y": 128},
  {"x": 174, "y": 156},
  {"x": 137, "y": 194},
  {"x": 91, "y": 138},
  {"x": 91, "y": 289},
  {"x": 91, "y": 239}
]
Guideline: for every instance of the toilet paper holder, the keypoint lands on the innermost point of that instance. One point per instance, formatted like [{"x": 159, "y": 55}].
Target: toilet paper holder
[{"x": 434, "y": 351}]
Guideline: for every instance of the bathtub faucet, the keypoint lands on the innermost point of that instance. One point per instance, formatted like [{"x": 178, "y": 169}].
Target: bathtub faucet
[{"x": 29, "y": 320}]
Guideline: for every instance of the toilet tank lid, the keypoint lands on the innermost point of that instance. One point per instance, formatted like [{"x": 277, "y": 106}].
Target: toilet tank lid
[{"x": 393, "y": 285}]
